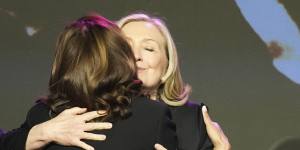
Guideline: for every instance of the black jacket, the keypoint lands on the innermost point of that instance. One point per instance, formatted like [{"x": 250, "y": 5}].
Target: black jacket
[
  {"x": 149, "y": 123},
  {"x": 190, "y": 130},
  {"x": 190, "y": 127}
]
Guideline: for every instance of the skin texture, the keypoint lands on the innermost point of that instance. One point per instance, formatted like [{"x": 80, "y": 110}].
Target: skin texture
[
  {"x": 68, "y": 128},
  {"x": 148, "y": 45}
]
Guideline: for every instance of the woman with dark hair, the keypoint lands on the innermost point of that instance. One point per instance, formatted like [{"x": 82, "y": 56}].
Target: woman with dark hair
[{"x": 94, "y": 68}]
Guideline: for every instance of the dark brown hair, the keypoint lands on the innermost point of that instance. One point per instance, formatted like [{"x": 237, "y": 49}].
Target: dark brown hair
[{"x": 94, "y": 68}]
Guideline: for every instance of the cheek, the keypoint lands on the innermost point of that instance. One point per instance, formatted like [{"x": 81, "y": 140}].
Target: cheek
[
  {"x": 160, "y": 65},
  {"x": 155, "y": 61},
  {"x": 152, "y": 76},
  {"x": 157, "y": 69}
]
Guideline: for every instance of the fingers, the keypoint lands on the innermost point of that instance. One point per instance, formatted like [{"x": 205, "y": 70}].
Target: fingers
[
  {"x": 91, "y": 115},
  {"x": 215, "y": 132},
  {"x": 206, "y": 117},
  {"x": 213, "y": 129},
  {"x": 75, "y": 110},
  {"x": 217, "y": 126},
  {"x": 97, "y": 126},
  {"x": 159, "y": 147},
  {"x": 83, "y": 145},
  {"x": 209, "y": 123},
  {"x": 92, "y": 136}
]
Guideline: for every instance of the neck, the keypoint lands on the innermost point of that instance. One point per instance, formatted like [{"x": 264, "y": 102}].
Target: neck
[{"x": 153, "y": 94}]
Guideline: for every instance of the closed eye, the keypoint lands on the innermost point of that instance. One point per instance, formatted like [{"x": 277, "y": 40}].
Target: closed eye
[{"x": 149, "y": 49}]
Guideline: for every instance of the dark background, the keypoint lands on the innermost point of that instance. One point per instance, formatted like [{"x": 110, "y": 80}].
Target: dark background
[{"x": 223, "y": 59}]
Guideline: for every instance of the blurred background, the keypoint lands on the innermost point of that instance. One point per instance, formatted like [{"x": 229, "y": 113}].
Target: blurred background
[{"x": 225, "y": 61}]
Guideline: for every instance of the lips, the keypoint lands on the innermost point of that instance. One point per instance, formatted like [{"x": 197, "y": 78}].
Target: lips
[{"x": 141, "y": 69}]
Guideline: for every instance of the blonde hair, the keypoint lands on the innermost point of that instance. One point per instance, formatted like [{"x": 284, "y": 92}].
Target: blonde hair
[{"x": 173, "y": 90}]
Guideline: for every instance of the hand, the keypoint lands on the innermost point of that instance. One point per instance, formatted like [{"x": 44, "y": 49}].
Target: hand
[
  {"x": 68, "y": 128},
  {"x": 215, "y": 132},
  {"x": 159, "y": 147}
]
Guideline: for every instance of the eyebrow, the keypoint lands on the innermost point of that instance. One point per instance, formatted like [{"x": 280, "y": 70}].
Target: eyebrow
[
  {"x": 149, "y": 39},
  {"x": 144, "y": 40}
]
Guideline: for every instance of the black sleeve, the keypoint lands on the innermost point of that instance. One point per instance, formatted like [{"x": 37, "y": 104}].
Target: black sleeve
[
  {"x": 15, "y": 139},
  {"x": 167, "y": 131},
  {"x": 54, "y": 146},
  {"x": 206, "y": 142}
]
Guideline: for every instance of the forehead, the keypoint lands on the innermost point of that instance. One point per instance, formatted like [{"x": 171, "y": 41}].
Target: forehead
[{"x": 141, "y": 30}]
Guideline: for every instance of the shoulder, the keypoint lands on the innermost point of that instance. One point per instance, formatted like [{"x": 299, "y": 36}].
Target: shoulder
[
  {"x": 189, "y": 108},
  {"x": 141, "y": 100},
  {"x": 189, "y": 114},
  {"x": 153, "y": 111},
  {"x": 150, "y": 106},
  {"x": 193, "y": 105},
  {"x": 164, "y": 127},
  {"x": 38, "y": 113},
  {"x": 191, "y": 129},
  {"x": 16, "y": 138}
]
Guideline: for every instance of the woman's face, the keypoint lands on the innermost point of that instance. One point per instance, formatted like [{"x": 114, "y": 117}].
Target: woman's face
[{"x": 148, "y": 45}]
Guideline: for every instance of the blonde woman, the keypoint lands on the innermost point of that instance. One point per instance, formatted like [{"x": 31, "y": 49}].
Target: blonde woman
[{"x": 158, "y": 69}]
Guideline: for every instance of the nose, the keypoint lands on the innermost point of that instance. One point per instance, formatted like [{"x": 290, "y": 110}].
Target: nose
[
  {"x": 138, "y": 59},
  {"x": 137, "y": 54}
]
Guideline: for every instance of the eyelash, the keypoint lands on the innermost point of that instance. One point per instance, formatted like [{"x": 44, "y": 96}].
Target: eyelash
[{"x": 149, "y": 49}]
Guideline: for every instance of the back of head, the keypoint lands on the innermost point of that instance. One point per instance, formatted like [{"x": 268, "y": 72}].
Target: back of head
[{"x": 93, "y": 67}]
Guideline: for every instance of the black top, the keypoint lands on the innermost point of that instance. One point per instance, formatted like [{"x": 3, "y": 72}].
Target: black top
[
  {"x": 15, "y": 139},
  {"x": 191, "y": 130},
  {"x": 149, "y": 123},
  {"x": 190, "y": 127}
]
